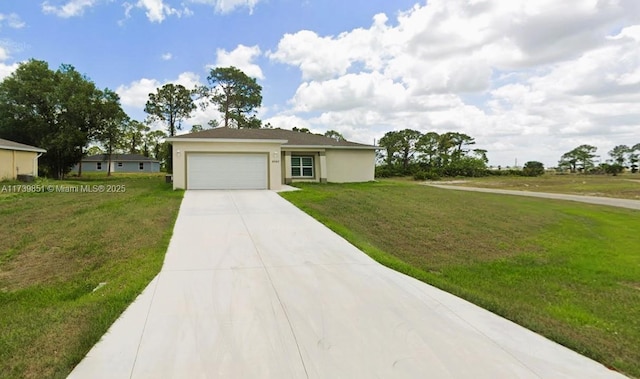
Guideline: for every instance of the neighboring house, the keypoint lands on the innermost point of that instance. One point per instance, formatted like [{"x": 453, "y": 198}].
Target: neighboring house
[
  {"x": 119, "y": 163},
  {"x": 18, "y": 159},
  {"x": 224, "y": 158}
]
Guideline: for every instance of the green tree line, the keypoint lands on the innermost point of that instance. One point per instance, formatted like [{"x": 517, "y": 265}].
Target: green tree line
[
  {"x": 60, "y": 111},
  {"x": 584, "y": 159},
  {"x": 64, "y": 112},
  {"x": 430, "y": 155}
]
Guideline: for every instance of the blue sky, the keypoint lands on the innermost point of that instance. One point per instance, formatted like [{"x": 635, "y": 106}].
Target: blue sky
[
  {"x": 529, "y": 80},
  {"x": 113, "y": 49}
]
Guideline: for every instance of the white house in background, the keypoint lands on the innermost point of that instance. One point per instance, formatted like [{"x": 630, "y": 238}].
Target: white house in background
[
  {"x": 225, "y": 158},
  {"x": 119, "y": 163},
  {"x": 18, "y": 159}
]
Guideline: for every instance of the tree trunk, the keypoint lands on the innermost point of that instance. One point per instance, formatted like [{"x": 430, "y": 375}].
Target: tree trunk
[
  {"x": 59, "y": 173},
  {"x": 226, "y": 111},
  {"x": 170, "y": 159},
  {"x": 80, "y": 165}
]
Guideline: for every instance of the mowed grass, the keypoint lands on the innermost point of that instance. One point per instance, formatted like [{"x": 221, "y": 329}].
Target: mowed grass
[
  {"x": 567, "y": 270},
  {"x": 625, "y": 186},
  {"x": 57, "y": 247}
]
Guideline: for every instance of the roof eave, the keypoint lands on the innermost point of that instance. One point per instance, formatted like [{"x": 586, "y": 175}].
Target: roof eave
[
  {"x": 221, "y": 140},
  {"x": 118, "y": 160},
  {"x": 32, "y": 150},
  {"x": 332, "y": 147}
]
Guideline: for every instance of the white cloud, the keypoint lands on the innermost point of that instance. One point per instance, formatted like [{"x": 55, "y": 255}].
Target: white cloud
[
  {"x": 312, "y": 54},
  {"x": 71, "y": 9},
  {"x": 352, "y": 91},
  {"x": 528, "y": 79},
  {"x": 7, "y": 69},
  {"x": 4, "y": 54},
  {"x": 12, "y": 20},
  {"x": 189, "y": 80},
  {"x": 241, "y": 57},
  {"x": 167, "y": 56},
  {"x": 227, "y": 6},
  {"x": 322, "y": 58},
  {"x": 287, "y": 122},
  {"x": 137, "y": 93},
  {"x": 155, "y": 10}
]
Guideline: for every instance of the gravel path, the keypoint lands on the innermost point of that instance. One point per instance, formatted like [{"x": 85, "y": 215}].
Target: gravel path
[{"x": 622, "y": 203}]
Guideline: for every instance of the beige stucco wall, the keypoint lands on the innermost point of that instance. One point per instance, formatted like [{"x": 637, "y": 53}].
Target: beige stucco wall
[
  {"x": 345, "y": 166},
  {"x": 13, "y": 162},
  {"x": 182, "y": 148}
]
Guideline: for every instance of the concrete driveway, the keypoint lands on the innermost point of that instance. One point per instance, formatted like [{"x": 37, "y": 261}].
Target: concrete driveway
[{"x": 252, "y": 287}]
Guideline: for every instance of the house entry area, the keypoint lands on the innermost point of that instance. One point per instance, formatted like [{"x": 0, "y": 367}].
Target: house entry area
[{"x": 227, "y": 171}]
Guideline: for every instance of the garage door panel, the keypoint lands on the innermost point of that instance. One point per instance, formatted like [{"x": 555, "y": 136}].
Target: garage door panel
[{"x": 227, "y": 171}]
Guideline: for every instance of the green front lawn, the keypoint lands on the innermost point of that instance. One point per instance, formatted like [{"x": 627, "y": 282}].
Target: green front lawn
[
  {"x": 56, "y": 247},
  {"x": 567, "y": 270}
]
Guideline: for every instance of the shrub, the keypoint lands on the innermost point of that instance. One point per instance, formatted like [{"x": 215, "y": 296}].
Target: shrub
[
  {"x": 383, "y": 171},
  {"x": 613, "y": 169},
  {"x": 388, "y": 171},
  {"x": 466, "y": 166},
  {"x": 533, "y": 168},
  {"x": 426, "y": 175},
  {"x": 420, "y": 175}
]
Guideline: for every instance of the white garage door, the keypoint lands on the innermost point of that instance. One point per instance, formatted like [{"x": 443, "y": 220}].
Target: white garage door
[{"x": 227, "y": 171}]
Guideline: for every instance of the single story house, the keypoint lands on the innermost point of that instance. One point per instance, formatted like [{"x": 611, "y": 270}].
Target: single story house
[
  {"x": 18, "y": 159},
  {"x": 225, "y": 158},
  {"x": 119, "y": 163}
]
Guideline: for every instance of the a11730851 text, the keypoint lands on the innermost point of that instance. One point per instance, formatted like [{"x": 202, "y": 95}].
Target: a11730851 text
[{"x": 63, "y": 188}]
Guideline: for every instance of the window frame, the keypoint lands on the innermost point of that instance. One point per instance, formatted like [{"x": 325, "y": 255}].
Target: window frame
[
  {"x": 301, "y": 167},
  {"x": 99, "y": 166},
  {"x": 141, "y": 166}
]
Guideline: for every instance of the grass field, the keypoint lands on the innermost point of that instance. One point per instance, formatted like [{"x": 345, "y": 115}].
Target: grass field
[
  {"x": 622, "y": 186},
  {"x": 567, "y": 270},
  {"x": 57, "y": 246}
]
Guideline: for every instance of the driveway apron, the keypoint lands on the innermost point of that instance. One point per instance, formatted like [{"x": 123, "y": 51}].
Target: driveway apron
[{"x": 252, "y": 287}]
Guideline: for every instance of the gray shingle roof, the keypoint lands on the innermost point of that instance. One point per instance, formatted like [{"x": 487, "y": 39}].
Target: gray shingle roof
[
  {"x": 118, "y": 158},
  {"x": 10, "y": 145},
  {"x": 293, "y": 138}
]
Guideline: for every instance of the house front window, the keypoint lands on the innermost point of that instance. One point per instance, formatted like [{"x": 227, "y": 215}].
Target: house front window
[
  {"x": 119, "y": 164},
  {"x": 302, "y": 166},
  {"x": 141, "y": 166},
  {"x": 98, "y": 165}
]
